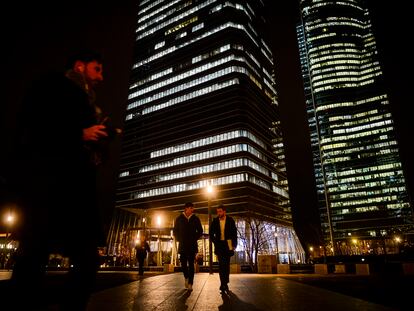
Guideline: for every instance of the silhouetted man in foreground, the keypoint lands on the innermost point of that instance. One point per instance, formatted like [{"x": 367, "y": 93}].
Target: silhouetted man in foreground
[{"x": 59, "y": 148}]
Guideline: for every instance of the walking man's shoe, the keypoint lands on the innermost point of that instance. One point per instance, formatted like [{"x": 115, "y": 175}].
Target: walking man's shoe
[{"x": 190, "y": 287}]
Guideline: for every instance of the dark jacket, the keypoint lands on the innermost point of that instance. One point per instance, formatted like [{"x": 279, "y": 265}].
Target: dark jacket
[
  {"x": 142, "y": 249},
  {"x": 53, "y": 165},
  {"x": 230, "y": 233},
  {"x": 187, "y": 231}
]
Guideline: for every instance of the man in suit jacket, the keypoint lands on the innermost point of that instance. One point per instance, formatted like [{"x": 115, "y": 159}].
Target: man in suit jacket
[{"x": 223, "y": 233}]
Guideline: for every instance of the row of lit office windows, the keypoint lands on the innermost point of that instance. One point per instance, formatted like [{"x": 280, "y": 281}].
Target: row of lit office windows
[
  {"x": 164, "y": 72},
  {"x": 203, "y": 156},
  {"x": 207, "y": 55},
  {"x": 189, "y": 84},
  {"x": 342, "y": 85},
  {"x": 334, "y": 59},
  {"x": 350, "y": 130},
  {"x": 348, "y": 138},
  {"x": 313, "y": 26},
  {"x": 394, "y": 206},
  {"x": 198, "y": 58},
  {"x": 345, "y": 76},
  {"x": 374, "y": 168},
  {"x": 210, "y": 168},
  {"x": 175, "y": 9},
  {"x": 237, "y": 6},
  {"x": 178, "y": 8},
  {"x": 317, "y": 4},
  {"x": 266, "y": 47},
  {"x": 391, "y": 176},
  {"x": 392, "y": 168},
  {"x": 323, "y": 36},
  {"x": 195, "y": 39},
  {"x": 328, "y": 48},
  {"x": 329, "y": 63},
  {"x": 175, "y": 19},
  {"x": 236, "y": 178},
  {"x": 364, "y": 65},
  {"x": 153, "y": 3},
  {"x": 207, "y": 141},
  {"x": 366, "y": 193},
  {"x": 334, "y": 77},
  {"x": 338, "y": 68},
  {"x": 280, "y": 191},
  {"x": 152, "y": 77},
  {"x": 339, "y": 159},
  {"x": 159, "y": 18},
  {"x": 191, "y": 95},
  {"x": 187, "y": 74},
  {"x": 180, "y": 26},
  {"x": 380, "y": 97},
  {"x": 339, "y": 178},
  {"x": 358, "y": 118},
  {"x": 357, "y": 150},
  {"x": 351, "y": 185},
  {"x": 380, "y": 199},
  {"x": 150, "y": 14},
  {"x": 361, "y": 67}
]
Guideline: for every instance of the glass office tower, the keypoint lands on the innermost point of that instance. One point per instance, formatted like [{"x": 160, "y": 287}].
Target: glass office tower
[
  {"x": 202, "y": 110},
  {"x": 364, "y": 204}
]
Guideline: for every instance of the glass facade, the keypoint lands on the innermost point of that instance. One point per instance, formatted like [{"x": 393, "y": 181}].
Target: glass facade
[
  {"x": 364, "y": 204},
  {"x": 202, "y": 110}
]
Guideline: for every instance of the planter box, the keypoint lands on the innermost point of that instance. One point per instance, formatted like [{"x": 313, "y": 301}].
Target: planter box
[
  {"x": 340, "y": 268},
  {"x": 266, "y": 264},
  {"x": 321, "y": 268},
  {"x": 283, "y": 269},
  {"x": 168, "y": 268},
  {"x": 235, "y": 268},
  {"x": 362, "y": 269}
]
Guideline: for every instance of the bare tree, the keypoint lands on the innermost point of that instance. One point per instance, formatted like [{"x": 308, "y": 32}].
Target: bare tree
[{"x": 254, "y": 235}]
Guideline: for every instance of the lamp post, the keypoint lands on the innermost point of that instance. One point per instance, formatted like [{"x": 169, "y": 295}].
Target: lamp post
[
  {"x": 9, "y": 221},
  {"x": 210, "y": 191},
  {"x": 159, "y": 257},
  {"x": 277, "y": 247}
]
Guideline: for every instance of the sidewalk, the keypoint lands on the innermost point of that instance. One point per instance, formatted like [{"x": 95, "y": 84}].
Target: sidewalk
[{"x": 252, "y": 292}]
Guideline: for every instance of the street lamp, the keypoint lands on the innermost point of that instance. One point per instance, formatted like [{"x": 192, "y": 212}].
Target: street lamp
[
  {"x": 9, "y": 221},
  {"x": 159, "y": 257},
  {"x": 397, "y": 240},
  {"x": 210, "y": 191}
]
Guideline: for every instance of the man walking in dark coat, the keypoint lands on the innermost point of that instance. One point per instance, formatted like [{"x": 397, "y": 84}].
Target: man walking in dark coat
[
  {"x": 142, "y": 248},
  {"x": 187, "y": 230},
  {"x": 223, "y": 233}
]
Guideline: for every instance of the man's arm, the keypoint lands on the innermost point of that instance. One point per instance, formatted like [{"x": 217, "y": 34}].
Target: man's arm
[
  {"x": 212, "y": 231},
  {"x": 176, "y": 230},
  {"x": 233, "y": 233},
  {"x": 199, "y": 229}
]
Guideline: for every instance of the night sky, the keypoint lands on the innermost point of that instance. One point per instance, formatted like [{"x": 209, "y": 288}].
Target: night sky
[{"x": 37, "y": 38}]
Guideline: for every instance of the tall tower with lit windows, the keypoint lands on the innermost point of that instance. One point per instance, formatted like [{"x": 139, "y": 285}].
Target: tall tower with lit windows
[
  {"x": 364, "y": 205},
  {"x": 202, "y": 110}
]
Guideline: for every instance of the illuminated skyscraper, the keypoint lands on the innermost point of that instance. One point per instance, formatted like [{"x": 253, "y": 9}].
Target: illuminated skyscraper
[
  {"x": 202, "y": 110},
  {"x": 359, "y": 177}
]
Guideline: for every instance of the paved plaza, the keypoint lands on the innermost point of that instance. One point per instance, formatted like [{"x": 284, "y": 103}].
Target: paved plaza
[{"x": 251, "y": 292}]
